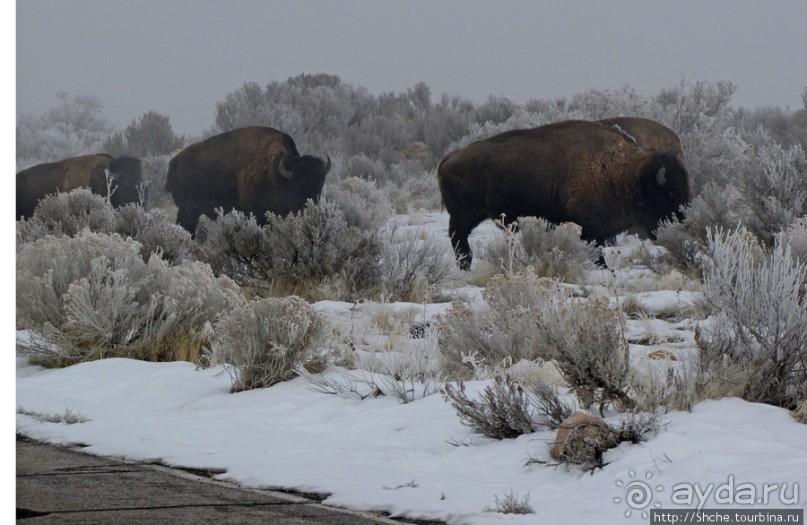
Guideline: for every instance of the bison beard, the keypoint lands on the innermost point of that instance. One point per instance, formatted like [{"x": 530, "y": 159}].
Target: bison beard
[
  {"x": 254, "y": 170},
  {"x": 572, "y": 171}
]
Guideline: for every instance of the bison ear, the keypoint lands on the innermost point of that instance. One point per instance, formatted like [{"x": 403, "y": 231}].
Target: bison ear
[
  {"x": 283, "y": 170},
  {"x": 661, "y": 176}
]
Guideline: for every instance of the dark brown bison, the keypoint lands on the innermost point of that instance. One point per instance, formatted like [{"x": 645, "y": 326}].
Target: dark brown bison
[
  {"x": 647, "y": 134},
  {"x": 88, "y": 171},
  {"x": 254, "y": 170},
  {"x": 572, "y": 171}
]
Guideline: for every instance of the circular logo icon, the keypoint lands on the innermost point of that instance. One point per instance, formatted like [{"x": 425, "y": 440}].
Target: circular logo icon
[{"x": 638, "y": 494}]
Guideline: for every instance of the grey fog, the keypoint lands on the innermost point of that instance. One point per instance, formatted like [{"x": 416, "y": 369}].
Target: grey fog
[{"x": 179, "y": 57}]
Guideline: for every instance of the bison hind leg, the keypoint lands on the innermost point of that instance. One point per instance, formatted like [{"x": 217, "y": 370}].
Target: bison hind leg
[{"x": 459, "y": 229}]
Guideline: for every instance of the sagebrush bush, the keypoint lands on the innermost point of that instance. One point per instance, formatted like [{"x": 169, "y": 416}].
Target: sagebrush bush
[
  {"x": 758, "y": 341},
  {"x": 69, "y": 213},
  {"x": 155, "y": 174},
  {"x": 503, "y": 410},
  {"x": 587, "y": 344},
  {"x": 796, "y": 237},
  {"x": 714, "y": 207},
  {"x": 506, "y": 331},
  {"x": 316, "y": 247},
  {"x": 235, "y": 245},
  {"x": 155, "y": 232},
  {"x": 265, "y": 340},
  {"x": 415, "y": 267},
  {"x": 510, "y": 503},
  {"x": 553, "y": 251},
  {"x": 774, "y": 189},
  {"x": 66, "y": 214},
  {"x": 362, "y": 204},
  {"x": 93, "y": 296}
]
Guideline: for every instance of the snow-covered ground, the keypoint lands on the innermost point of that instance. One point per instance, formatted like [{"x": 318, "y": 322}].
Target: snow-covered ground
[{"x": 417, "y": 460}]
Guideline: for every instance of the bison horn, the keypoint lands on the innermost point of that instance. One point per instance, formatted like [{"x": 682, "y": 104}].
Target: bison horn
[
  {"x": 328, "y": 165},
  {"x": 661, "y": 176},
  {"x": 283, "y": 170}
]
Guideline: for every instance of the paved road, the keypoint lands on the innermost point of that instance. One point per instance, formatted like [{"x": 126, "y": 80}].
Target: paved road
[{"x": 61, "y": 485}]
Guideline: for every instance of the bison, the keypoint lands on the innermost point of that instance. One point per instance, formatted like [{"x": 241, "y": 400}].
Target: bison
[
  {"x": 573, "y": 171},
  {"x": 88, "y": 171},
  {"x": 254, "y": 170},
  {"x": 647, "y": 134}
]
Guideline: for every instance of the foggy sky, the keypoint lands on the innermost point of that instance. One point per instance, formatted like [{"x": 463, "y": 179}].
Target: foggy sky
[{"x": 179, "y": 57}]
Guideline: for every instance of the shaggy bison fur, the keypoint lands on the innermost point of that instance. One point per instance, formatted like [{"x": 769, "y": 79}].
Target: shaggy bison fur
[
  {"x": 254, "y": 170},
  {"x": 573, "y": 171},
  {"x": 88, "y": 171}
]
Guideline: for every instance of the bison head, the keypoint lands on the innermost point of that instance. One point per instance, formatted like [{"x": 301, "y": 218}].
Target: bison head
[
  {"x": 664, "y": 186},
  {"x": 305, "y": 174}
]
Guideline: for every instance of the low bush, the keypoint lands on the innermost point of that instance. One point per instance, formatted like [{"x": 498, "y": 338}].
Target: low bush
[
  {"x": 587, "y": 343},
  {"x": 362, "y": 204},
  {"x": 317, "y": 250},
  {"x": 503, "y": 410},
  {"x": 236, "y": 246},
  {"x": 510, "y": 503},
  {"x": 66, "y": 214},
  {"x": 554, "y": 251},
  {"x": 69, "y": 213},
  {"x": 93, "y": 296},
  {"x": 264, "y": 341},
  {"x": 774, "y": 190},
  {"x": 756, "y": 345},
  {"x": 155, "y": 232},
  {"x": 413, "y": 268},
  {"x": 507, "y": 330},
  {"x": 685, "y": 241}
]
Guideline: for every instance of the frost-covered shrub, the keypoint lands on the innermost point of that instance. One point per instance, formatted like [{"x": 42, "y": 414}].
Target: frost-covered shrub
[
  {"x": 796, "y": 236},
  {"x": 587, "y": 344},
  {"x": 715, "y": 207},
  {"x": 93, "y": 296},
  {"x": 317, "y": 247},
  {"x": 236, "y": 246},
  {"x": 510, "y": 503},
  {"x": 413, "y": 268},
  {"x": 69, "y": 213},
  {"x": 360, "y": 166},
  {"x": 66, "y": 214},
  {"x": 553, "y": 251},
  {"x": 774, "y": 190},
  {"x": 408, "y": 370},
  {"x": 363, "y": 205},
  {"x": 265, "y": 340},
  {"x": 155, "y": 173},
  {"x": 506, "y": 331},
  {"x": 154, "y": 231},
  {"x": 757, "y": 343},
  {"x": 417, "y": 190},
  {"x": 503, "y": 410}
]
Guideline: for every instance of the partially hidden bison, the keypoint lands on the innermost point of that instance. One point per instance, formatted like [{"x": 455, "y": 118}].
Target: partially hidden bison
[
  {"x": 573, "y": 171},
  {"x": 647, "y": 134},
  {"x": 96, "y": 172},
  {"x": 254, "y": 170}
]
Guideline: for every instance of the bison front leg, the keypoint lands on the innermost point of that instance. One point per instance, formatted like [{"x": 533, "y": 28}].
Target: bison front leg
[
  {"x": 188, "y": 217},
  {"x": 459, "y": 242}
]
